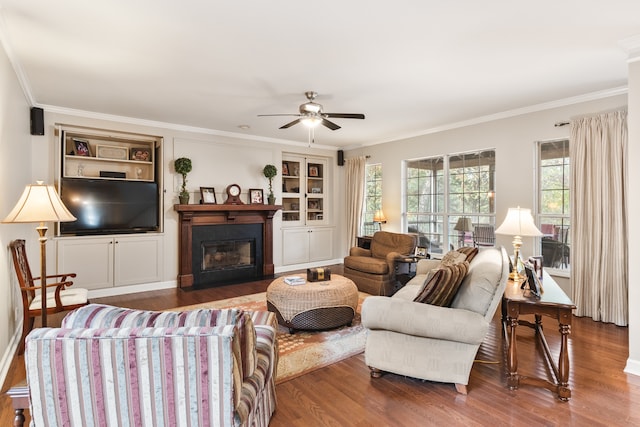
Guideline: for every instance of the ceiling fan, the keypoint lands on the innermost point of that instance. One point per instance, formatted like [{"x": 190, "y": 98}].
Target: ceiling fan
[{"x": 311, "y": 114}]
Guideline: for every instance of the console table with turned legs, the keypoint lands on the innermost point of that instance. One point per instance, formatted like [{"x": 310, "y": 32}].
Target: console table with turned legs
[{"x": 553, "y": 303}]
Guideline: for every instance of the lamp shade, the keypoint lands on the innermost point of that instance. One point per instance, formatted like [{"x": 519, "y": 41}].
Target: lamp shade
[
  {"x": 519, "y": 222},
  {"x": 463, "y": 224},
  {"x": 379, "y": 217},
  {"x": 39, "y": 203}
]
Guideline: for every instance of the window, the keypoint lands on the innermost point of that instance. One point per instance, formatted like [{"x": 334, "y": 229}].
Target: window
[
  {"x": 448, "y": 197},
  {"x": 554, "y": 203},
  {"x": 372, "y": 198}
]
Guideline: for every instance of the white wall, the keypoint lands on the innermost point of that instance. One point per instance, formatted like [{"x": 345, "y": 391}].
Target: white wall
[
  {"x": 15, "y": 174},
  {"x": 633, "y": 201}
]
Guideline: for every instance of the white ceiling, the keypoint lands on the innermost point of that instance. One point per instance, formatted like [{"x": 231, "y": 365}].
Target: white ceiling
[{"x": 411, "y": 66}]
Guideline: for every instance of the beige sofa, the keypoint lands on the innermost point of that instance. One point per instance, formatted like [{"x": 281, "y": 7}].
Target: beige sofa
[
  {"x": 373, "y": 270},
  {"x": 431, "y": 342}
]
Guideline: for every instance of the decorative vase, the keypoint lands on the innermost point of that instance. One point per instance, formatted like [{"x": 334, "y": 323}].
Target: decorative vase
[
  {"x": 184, "y": 199},
  {"x": 271, "y": 199}
]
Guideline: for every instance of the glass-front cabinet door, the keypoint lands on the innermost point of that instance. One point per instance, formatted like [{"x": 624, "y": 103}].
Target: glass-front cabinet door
[{"x": 304, "y": 187}]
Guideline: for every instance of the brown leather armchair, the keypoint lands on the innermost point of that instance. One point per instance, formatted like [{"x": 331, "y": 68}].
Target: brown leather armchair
[{"x": 373, "y": 270}]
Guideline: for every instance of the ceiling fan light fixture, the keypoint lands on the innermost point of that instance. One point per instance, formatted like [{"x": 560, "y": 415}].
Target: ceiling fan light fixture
[{"x": 311, "y": 121}]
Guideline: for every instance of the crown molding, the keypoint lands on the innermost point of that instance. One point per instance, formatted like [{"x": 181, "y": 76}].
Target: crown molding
[
  {"x": 513, "y": 113},
  {"x": 175, "y": 126},
  {"x": 15, "y": 63},
  {"x": 631, "y": 45}
]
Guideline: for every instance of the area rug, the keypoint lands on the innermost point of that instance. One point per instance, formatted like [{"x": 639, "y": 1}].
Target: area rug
[{"x": 303, "y": 351}]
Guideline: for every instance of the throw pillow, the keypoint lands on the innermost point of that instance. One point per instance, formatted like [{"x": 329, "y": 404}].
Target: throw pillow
[
  {"x": 469, "y": 251},
  {"x": 452, "y": 258},
  {"x": 443, "y": 285}
]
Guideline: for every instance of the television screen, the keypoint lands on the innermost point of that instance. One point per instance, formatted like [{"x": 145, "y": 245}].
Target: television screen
[{"x": 107, "y": 206}]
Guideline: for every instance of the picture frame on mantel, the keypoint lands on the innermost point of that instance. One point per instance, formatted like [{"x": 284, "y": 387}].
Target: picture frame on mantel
[
  {"x": 207, "y": 196},
  {"x": 256, "y": 196}
]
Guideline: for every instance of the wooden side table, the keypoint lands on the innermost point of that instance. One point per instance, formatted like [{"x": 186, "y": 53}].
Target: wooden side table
[{"x": 553, "y": 303}]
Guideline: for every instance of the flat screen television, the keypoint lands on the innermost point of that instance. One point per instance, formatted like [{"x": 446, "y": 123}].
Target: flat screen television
[{"x": 109, "y": 206}]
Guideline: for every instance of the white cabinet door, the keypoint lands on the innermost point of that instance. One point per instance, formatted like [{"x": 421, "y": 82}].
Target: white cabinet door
[
  {"x": 137, "y": 260},
  {"x": 305, "y": 244},
  {"x": 320, "y": 244},
  {"x": 90, "y": 258},
  {"x": 105, "y": 262},
  {"x": 295, "y": 248}
]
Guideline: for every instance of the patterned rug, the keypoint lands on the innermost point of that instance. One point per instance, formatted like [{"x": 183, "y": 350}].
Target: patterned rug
[{"x": 304, "y": 351}]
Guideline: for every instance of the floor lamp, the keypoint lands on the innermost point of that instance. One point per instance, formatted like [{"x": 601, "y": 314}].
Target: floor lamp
[
  {"x": 463, "y": 226},
  {"x": 40, "y": 203},
  {"x": 518, "y": 223}
]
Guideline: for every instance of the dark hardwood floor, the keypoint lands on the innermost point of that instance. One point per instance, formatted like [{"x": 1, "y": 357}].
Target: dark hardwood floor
[{"x": 343, "y": 394}]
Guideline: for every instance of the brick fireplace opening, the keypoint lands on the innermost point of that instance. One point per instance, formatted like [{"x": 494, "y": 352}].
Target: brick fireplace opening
[{"x": 224, "y": 244}]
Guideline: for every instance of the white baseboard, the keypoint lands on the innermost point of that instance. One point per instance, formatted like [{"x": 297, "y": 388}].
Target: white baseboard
[
  {"x": 7, "y": 357},
  {"x": 633, "y": 367},
  {"x": 286, "y": 268},
  {"x": 123, "y": 290}
]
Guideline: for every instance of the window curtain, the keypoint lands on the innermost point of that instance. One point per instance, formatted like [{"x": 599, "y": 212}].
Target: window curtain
[
  {"x": 355, "y": 171},
  {"x": 599, "y": 281}
]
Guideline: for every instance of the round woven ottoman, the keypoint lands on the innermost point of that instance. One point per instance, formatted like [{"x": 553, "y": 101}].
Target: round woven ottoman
[{"x": 314, "y": 305}]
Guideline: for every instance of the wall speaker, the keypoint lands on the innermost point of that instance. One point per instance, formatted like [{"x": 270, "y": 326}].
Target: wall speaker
[
  {"x": 37, "y": 121},
  {"x": 340, "y": 158}
]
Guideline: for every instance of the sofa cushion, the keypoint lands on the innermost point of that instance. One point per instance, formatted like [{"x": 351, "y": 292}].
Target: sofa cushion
[
  {"x": 452, "y": 258},
  {"x": 441, "y": 287},
  {"x": 479, "y": 286},
  {"x": 367, "y": 264},
  {"x": 469, "y": 251}
]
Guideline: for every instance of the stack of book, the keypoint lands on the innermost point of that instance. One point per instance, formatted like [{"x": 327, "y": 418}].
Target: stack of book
[{"x": 294, "y": 280}]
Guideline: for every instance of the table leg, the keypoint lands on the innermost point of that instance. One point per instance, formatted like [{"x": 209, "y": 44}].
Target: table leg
[
  {"x": 564, "y": 392},
  {"x": 512, "y": 356}
]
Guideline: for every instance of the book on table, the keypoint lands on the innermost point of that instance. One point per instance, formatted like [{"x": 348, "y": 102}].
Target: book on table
[{"x": 294, "y": 280}]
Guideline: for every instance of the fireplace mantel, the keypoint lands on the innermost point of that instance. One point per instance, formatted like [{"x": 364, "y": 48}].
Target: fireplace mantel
[{"x": 212, "y": 214}]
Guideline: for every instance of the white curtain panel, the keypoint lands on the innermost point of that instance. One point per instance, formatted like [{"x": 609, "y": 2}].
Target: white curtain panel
[
  {"x": 354, "y": 195},
  {"x": 599, "y": 280}
]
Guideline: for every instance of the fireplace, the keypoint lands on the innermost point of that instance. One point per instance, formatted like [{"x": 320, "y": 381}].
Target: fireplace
[
  {"x": 226, "y": 253},
  {"x": 224, "y": 244}
]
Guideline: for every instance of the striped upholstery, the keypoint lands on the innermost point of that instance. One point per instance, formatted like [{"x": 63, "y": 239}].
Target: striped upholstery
[{"x": 186, "y": 369}]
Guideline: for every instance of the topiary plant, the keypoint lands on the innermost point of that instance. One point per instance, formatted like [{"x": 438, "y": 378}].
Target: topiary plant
[
  {"x": 270, "y": 171},
  {"x": 183, "y": 166}
]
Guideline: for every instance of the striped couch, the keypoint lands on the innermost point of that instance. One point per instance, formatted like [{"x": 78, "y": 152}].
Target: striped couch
[{"x": 110, "y": 366}]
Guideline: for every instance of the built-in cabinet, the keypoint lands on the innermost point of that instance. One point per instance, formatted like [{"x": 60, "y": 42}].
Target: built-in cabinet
[
  {"x": 130, "y": 252},
  {"x": 306, "y": 207},
  {"x": 108, "y": 261}
]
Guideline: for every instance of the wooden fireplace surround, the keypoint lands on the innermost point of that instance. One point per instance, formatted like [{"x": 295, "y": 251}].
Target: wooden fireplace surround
[{"x": 210, "y": 214}]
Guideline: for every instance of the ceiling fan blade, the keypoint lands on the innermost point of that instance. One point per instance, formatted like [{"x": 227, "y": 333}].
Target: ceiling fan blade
[
  {"x": 270, "y": 115},
  {"x": 330, "y": 125},
  {"x": 344, "y": 115},
  {"x": 288, "y": 125}
]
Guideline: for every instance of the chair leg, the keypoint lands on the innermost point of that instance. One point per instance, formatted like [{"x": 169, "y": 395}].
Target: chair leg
[
  {"x": 27, "y": 326},
  {"x": 461, "y": 388},
  {"x": 375, "y": 372}
]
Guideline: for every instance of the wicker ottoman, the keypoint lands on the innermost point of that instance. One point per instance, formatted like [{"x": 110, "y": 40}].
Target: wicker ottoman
[{"x": 314, "y": 305}]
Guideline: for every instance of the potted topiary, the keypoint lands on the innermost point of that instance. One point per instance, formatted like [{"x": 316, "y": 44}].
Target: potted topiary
[
  {"x": 183, "y": 166},
  {"x": 270, "y": 171}
]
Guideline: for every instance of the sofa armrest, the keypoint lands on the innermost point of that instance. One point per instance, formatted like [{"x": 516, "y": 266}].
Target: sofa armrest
[
  {"x": 358, "y": 251},
  {"x": 423, "y": 320}
]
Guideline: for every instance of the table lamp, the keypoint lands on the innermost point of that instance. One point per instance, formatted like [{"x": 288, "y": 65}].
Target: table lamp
[
  {"x": 379, "y": 218},
  {"x": 463, "y": 226},
  {"x": 40, "y": 203},
  {"x": 518, "y": 223}
]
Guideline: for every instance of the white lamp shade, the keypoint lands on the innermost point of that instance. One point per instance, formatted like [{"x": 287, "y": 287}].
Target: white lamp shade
[
  {"x": 519, "y": 222},
  {"x": 379, "y": 217},
  {"x": 39, "y": 203}
]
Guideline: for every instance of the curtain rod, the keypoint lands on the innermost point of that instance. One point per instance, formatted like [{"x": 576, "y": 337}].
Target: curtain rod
[{"x": 560, "y": 124}]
